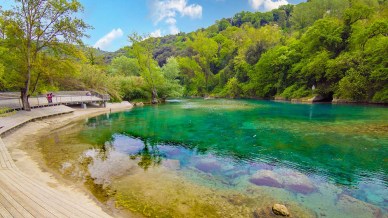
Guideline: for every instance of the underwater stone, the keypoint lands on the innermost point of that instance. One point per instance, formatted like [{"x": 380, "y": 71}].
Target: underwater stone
[
  {"x": 266, "y": 178},
  {"x": 172, "y": 164},
  {"x": 354, "y": 206},
  {"x": 173, "y": 152},
  {"x": 208, "y": 166},
  {"x": 298, "y": 182},
  {"x": 280, "y": 210}
]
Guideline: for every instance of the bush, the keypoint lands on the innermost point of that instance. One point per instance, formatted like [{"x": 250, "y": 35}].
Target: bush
[
  {"x": 133, "y": 87},
  {"x": 295, "y": 92},
  {"x": 4, "y": 111},
  {"x": 353, "y": 86},
  {"x": 232, "y": 89},
  {"x": 381, "y": 96}
]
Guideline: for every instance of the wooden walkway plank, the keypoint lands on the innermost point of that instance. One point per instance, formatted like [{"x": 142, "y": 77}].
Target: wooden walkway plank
[
  {"x": 22, "y": 117},
  {"x": 4, "y": 212},
  {"x": 29, "y": 204},
  {"x": 61, "y": 204},
  {"x": 12, "y": 206},
  {"x": 22, "y": 196},
  {"x": 34, "y": 202},
  {"x": 51, "y": 192},
  {"x": 6, "y": 161}
]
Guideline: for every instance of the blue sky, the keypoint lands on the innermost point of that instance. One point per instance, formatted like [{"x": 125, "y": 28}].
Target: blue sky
[{"x": 114, "y": 20}]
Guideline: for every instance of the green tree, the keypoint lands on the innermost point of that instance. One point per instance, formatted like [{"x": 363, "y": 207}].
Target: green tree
[
  {"x": 40, "y": 25},
  {"x": 93, "y": 56},
  {"x": 124, "y": 66},
  {"x": 191, "y": 76},
  {"x": 171, "y": 72},
  {"x": 232, "y": 89},
  {"x": 207, "y": 50},
  {"x": 223, "y": 24},
  {"x": 142, "y": 49},
  {"x": 353, "y": 86}
]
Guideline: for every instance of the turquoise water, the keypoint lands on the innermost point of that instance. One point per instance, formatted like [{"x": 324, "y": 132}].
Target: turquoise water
[{"x": 329, "y": 160}]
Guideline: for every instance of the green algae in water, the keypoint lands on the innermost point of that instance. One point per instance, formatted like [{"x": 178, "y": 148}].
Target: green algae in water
[{"x": 192, "y": 158}]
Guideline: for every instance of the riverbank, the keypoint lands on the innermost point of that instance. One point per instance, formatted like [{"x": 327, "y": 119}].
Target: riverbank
[{"x": 22, "y": 147}]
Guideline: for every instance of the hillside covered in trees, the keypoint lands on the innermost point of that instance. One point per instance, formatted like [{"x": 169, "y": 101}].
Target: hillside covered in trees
[{"x": 338, "y": 46}]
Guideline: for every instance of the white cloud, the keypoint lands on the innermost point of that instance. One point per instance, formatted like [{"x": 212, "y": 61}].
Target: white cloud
[
  {"x": 167, "y": 10},
  {"x": 170, "y": 21},
  {"x": 164, "y": 9},
  {"x": 156, "y": 33},
  {"x": 174, "y": 30},
  {"x": 267, "y": 4},
  {"x": 106, "y": 40}
]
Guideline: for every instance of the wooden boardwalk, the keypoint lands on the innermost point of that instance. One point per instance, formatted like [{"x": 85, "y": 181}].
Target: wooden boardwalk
[
  {"x": 35, "y": 102},
  {"x": 22, "y": 196},
  {"x": 22, "y": 117}
]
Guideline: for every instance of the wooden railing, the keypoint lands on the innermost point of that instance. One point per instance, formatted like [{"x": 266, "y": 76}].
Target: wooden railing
[{"x": 13, "y": 102}]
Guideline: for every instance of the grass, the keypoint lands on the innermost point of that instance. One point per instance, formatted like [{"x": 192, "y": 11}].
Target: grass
[{"x": 5, "y": 112}]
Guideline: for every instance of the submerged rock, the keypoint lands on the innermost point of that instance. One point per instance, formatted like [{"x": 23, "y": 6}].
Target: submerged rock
[
  {"x": 298, "y": 182},
  {"x": 280, "y": 210},
  {"x": 172, "y": 164},
  {"x": 173, "y": 152},
  {"x": 353, "y": 206},
  {"x": 208, "y": 166},
  {"x": 290, "y": 180},
  {"x": 266, "y": 178}
]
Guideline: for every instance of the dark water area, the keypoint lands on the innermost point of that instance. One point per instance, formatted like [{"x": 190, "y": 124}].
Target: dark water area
[{"x": 233, "y": 157}]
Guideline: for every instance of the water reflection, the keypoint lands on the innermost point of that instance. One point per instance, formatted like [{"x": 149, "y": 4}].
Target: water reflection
[
  {"x": 125, "y": 155},
  {"x": 149, "y": 156}
]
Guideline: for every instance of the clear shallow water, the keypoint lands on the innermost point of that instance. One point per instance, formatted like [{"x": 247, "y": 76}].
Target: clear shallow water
[{"x": 219, "y": 158}]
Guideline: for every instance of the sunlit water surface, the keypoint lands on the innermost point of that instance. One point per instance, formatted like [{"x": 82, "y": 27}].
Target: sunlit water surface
[{"x": 231, "y": 158}]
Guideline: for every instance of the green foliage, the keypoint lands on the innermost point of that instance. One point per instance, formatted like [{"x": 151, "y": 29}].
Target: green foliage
[
  {"x": 171, "y": 86},
  {"x": 295, "y": 91},
  {"x": 192, "y": 77},
  {"x": 4, "y": 111},
  {"x": 92, "y": 77},
  {"x": 36, "y": 28},
  {"x": 325, "y": 34},
  {"x": 340, "y": 47},
  {"x": 232, "y": 89},
  {"x": 3, "y": 82},
  {"x": 353, "y": 86},
  {"x": 381, "y": 96},
  {"x": 132, "y": 87},
  {"x": 124, "y": 66},
  {"x": 223, "y": 24}
]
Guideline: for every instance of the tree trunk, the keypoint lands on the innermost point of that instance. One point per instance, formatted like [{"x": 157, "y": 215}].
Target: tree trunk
[
  {"x": 24, "y": 98},
  {"x": 154, "y": 96},
  {"x": 25, "y": 90}
]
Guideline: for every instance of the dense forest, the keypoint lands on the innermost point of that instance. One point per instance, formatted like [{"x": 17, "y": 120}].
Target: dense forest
[{"x": 331, "y": 48}]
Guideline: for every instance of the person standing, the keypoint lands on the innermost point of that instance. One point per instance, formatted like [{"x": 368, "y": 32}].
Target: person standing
[{"x": 50, "y": 98}]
